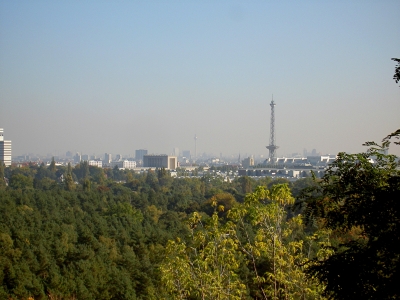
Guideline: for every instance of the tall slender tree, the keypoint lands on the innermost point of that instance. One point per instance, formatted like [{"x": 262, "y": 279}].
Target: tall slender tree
[
  {"x": 52, "y": 166},
  {"x": 69, "y": 181},
  {"x": 2, "y": 181}
]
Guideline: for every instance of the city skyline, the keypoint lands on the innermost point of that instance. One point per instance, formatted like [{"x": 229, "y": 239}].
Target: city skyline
[{"x": 98, "y": 77}]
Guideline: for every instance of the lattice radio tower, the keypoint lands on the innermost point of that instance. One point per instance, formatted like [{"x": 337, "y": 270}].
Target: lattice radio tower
[{"x": 272, "y": 147}]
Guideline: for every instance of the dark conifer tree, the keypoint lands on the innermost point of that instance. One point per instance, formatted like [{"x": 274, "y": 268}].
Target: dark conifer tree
[
  {"x": 69, "y": 181},
  {"x": 2, "y": 182},
  {"x": 52, "y": 166}
]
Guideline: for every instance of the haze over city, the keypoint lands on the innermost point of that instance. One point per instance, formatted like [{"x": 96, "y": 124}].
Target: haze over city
[{"x": 99, "y": 76}]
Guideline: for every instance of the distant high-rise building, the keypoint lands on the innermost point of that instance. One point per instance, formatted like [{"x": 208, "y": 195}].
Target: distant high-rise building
[
  {"x": 176, "y": 151},
  {"x": 5, "y": 149},
  {"x": 77, "y": 157},
  {"x": 118, "y": 157},
  {"x": 186, "y": 154},
  {"x": 247, "y": 162},
  {"x": 85, "y": 157},
  {"x": 107, "y": 158},
  {"x": 140, "y": 153}
]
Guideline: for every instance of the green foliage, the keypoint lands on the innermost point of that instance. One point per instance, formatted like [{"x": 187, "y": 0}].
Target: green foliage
[
  {"x": 43, "y": 172},
  {"x": 275, "y": 240},
  {"x": 20, "y": 181},
  {"x": 52, "y": 167},
  {"x": 2, "y": 182},
  {"x": 264, "y": 181},
  {"x": 258, "y": 237},
  {"x": 81, "y": 170},
  {"x": 97, "y": 175},
  {"x": 87, "y": 185},
  {"x": 69, "y": 181},
  {"x": 358, "y": 200},
  {"x": 92, "y": 236},
  {"x": 207, "y": 269},
  {"x": 301, "y": 184},
  {"x": 221, "y": 202},
  {"x": 82, "y": 245},
  {"x": 279, "y": 181},
  {"x": 396, "y": 75},
  {"x": 46, "y": 183},
  {"x": 246, "y": 184}
]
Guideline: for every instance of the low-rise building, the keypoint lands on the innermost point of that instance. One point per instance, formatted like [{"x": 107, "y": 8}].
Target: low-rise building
[
  {"x": 124, "y": 164},
  {"x": 160, "y": 161},
  {"x": 96, "y": 163}
]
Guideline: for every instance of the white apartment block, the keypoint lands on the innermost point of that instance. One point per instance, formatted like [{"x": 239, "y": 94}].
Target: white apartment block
[
  {"x": 96, "y": 163},
  {"x": 5, "y": 149},
  {"x": 124, "y": 164}
]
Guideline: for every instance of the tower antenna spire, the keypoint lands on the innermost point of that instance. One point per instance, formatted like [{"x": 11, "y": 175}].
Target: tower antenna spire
[
  {"x": 272, "y": 147},
  {"x": 195, "y": 147}
]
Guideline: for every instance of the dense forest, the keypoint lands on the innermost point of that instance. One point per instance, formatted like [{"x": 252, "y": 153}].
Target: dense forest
[
  {"x": 92, "y": 233},
  {"x": 100, "y": 233}
]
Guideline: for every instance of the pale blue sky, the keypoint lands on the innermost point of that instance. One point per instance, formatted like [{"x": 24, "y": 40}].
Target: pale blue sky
[{"x": 115, "y": 76}]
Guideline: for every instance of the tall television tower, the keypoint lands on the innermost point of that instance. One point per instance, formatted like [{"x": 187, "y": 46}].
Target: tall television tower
[
  {"x": 272, "y": 147},
  {"x": 195, "y": 147}
]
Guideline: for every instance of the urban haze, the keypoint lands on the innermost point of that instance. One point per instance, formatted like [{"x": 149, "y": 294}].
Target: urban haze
[{"x": 99, "y": 77}]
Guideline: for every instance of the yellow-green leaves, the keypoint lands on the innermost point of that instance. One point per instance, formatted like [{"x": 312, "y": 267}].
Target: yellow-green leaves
[
  {"x": 259, "y": 237},
  {"x": 276, "y": 242},
  {"x": 206, "y": 268}
]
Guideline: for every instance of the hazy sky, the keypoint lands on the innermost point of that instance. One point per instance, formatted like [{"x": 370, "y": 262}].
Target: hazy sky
[{"x": 115, "y": 76}]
